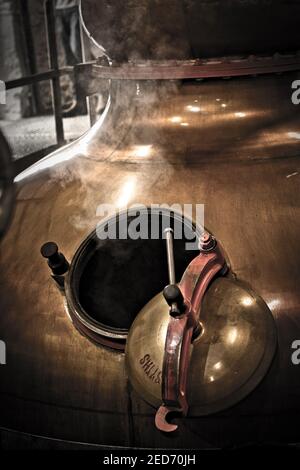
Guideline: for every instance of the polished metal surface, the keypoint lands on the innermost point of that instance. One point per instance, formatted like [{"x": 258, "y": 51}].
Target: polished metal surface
[
  {"x": 170, "y": 255},
  {"x": 228, "y": 360},
  {"x": 232, "y": 145},
  {"x": 223, "y": 67}
]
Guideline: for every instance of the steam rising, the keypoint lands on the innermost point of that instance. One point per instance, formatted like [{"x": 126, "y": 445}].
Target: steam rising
[
  {"x": 138, "y": 29},
  {"x": 129, "y": 134}
]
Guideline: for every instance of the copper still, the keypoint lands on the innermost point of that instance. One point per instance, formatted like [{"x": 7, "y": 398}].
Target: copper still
[{"x": 96, "y": 351}]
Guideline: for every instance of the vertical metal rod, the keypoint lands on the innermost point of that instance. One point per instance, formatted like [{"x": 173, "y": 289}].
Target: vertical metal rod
[
  {"x": 28, "y": 45},
  {"x": 92, "y": 110},
  {"x": 170, "y": 254},
  {"x": 86, "y": 56},
  {"x": 53, "y": 59}
]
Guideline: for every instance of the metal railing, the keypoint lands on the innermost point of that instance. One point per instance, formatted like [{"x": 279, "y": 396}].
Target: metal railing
[{"x": 53, "y": 74}]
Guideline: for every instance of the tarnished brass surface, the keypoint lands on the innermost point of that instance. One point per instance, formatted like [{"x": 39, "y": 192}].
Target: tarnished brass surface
[
  {"x": 228, "y": 360},
  {"x": 241, "y": 161}
]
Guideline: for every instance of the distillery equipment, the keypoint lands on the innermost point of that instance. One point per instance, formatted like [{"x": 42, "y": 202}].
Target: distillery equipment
[{"x": 140, "y": 342}]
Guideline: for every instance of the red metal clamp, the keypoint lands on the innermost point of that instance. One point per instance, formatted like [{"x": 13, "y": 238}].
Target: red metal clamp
[{"x": 183, "y": 326}]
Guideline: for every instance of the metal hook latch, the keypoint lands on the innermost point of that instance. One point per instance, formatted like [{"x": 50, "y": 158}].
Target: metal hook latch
[{"x": 185, "y": 306}]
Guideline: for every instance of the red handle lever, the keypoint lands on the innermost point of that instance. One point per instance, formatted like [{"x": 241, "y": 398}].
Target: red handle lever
[{"x": 193, "y": 285}]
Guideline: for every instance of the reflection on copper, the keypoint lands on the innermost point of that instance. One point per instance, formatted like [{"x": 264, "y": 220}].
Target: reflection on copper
[
  {"x": 295, "y": 173},
  {"x": 47, "y": 163},
  {"x": 127, "y": 192},
  {"x": 240, "y": 114},
  {"x": 232, "y": 335},
  {"x": 273, "y": 304},
  {"x": 247, "y": 301},
  {"x": 218, "y": 365},
  {"x": 175, "y": 119},
  {"x": 294, "y": 135},
  {"x": 184, "y": 124},
  {"x": 141, "y": 150},
  {"x": 193, "y": 109},
  {"x": 81, "y": 145}
]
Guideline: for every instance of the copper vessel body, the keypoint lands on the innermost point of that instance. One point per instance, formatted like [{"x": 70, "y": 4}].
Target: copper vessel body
[
  {"x": 236, "y": 153},
  {"x": 181, "y": 29}
]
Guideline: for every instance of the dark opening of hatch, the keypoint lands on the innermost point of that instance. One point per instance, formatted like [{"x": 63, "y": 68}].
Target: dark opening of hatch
[{"x": 117, "y": 277}]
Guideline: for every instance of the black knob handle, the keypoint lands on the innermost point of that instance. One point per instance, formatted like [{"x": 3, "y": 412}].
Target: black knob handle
[
  {"x": 174, "y": 298},
  {"x": 56, "y": 260}
]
